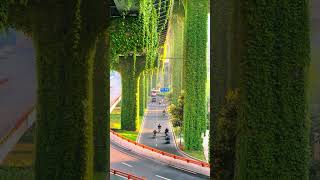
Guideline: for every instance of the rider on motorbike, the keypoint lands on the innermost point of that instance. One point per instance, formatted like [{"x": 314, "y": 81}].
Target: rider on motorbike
[{"x": 159, "y": 127}]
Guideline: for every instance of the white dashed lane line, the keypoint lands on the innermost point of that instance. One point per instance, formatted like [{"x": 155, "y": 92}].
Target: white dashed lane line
[
  {"x": 162, "y": 177},
  {"x": 126, "y": 164}
]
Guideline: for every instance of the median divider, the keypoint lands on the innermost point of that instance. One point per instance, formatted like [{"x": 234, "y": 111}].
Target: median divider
[
  {"x": 196, "y": 166},
  {"x": 125, "y": 175}
]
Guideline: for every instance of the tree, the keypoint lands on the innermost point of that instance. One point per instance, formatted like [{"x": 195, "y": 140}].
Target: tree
[{"x": 176, "y": 112}]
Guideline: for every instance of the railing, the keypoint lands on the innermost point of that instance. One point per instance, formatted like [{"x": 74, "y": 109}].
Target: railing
[
  {"x": 188, "y": 160},
  {"x": 115, "y": 100},
  {"x": 125, "y": 175},
  {"x": 18, "y": 124}
]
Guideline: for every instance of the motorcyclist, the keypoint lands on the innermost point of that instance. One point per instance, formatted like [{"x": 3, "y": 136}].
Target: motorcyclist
[
  {"x": 159, "y": 127},
  {"x": 166, "y": 131},
  {"x": 154, "y": 133},
  {"x": 167, "y": 138}
]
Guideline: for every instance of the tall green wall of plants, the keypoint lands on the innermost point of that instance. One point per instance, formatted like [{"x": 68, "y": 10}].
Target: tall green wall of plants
[
  {"x": 147, "y": 88},
  {"x": 273, "y": 126},
  {"x": 142, "y": 93},
  {"x": 130, "y": 91},
  {"x": 177, "y": 52},
  {"x": 196, "y": 72},
  {"x": 101, "y": 99},
  {"x": 64, "y": 112},
  {"x": 226, "y": 46}
]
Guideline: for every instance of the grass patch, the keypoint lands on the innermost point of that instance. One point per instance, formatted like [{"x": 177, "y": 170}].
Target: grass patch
[
  {"x": 14, "y": 173},
  {"x": 18, "y": 164},
  {"x": 132, "y": 135},
  {"x": 23, "y": 153},
  {"x": 115, "y": 124},
  {"x": 198, "y": 154},
  {"x": 115, "y": 118}
]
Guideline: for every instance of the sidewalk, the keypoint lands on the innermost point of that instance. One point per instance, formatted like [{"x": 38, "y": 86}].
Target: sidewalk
[{"x": 154, "y": 116}]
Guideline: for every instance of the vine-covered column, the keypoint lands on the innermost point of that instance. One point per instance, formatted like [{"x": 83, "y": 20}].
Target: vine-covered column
[
  {"x": 196, "y": 72},
  {"x": 273, "y": 130},
  {"x": 226, "y": 47},
  {"x": 64, "y": 104},
  {"x": 147, "y": 88},
  {"x": 154, "y": 78},
  {"x": 130, "y": 70},
  {"x": 101, "y": 99},
  {"x": 177, "y": 52},
  {"x": 142, "y": 93}
]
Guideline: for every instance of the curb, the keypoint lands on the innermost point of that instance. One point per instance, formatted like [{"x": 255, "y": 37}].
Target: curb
[
  {"x": 141, "y": 127},
  {"x": 178, "y": 149}
]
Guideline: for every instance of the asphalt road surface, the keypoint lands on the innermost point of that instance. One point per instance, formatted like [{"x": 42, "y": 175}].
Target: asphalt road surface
[
  {"x": 154, "y": 116},
  {"x": 129, "y": 162}
]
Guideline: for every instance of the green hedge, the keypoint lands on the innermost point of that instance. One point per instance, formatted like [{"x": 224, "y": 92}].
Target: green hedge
[
  {"x": 273, "y": 127},
  {"x": 196, "y": 72}
]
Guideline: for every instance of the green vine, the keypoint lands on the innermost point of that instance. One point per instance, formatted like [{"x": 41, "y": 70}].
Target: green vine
[{"x": 195, "y": 65}]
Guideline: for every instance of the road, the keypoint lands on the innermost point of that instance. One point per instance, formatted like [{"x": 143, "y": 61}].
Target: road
[
  {"x": 129, "y": 162},
  {"x": 124, "y": 160},
  {"x": 153, "y": 117}
]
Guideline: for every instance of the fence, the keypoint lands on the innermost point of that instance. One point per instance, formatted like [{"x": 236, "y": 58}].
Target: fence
[{"x": 125, "y": 175}]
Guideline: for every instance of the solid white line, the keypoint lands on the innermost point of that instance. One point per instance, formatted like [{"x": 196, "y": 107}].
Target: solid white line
[
  {"x": 142, "y": 126},
  {"x": 126, "y": 164},
  {"x": 163, "y": 177}
]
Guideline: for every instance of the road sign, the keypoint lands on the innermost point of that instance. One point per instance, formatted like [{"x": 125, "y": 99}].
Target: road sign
[{"x": 164, "y": 89}]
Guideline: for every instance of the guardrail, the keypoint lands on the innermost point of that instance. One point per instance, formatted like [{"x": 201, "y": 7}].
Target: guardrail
[
  {"x": 19, "y": 122},
  {"x": 188, "y": 160},
  {"x": 125, "y": 175}
]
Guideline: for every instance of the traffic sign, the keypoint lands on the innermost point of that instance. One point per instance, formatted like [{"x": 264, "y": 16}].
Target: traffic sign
[{"x": 164, "y": 89}]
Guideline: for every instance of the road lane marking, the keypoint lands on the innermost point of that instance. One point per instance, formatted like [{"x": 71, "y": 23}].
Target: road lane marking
[
  {"x": 126, "y": 164},
  {"x": 163, "y": 177}
]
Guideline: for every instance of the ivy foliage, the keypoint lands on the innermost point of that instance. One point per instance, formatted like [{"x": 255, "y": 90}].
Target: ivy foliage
[
  {"x": 130, "y": 69},
  {"x": 225, "y": 139},
  {"x": 195, "y": 72},
  {"x": 176, "y": 112},
  {"x": 142, "y": 93},
  {"x": 126, "y": 37},
  {"x": 64, "y": 36},
  {"x": 4, "y": 6},
  {"x": 101, "y": 105},
  {"x": 273, "y": 126},
  {"x": 176, "y": 24}
]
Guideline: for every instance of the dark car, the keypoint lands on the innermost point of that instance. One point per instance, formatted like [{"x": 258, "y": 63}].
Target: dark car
[{"x": 154, "y": 99}]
